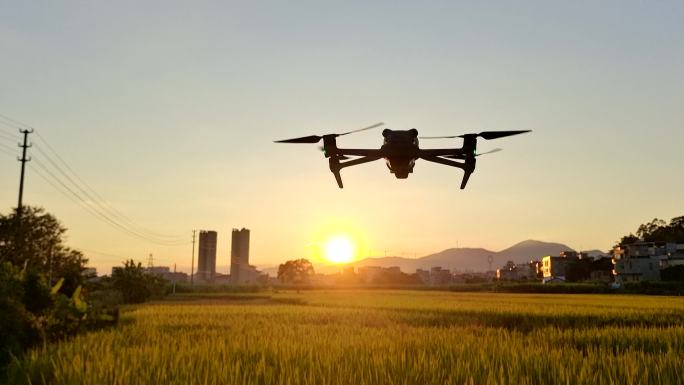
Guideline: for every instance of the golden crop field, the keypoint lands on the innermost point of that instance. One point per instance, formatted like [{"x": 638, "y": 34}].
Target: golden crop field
[{"x": 377, "y": 337}]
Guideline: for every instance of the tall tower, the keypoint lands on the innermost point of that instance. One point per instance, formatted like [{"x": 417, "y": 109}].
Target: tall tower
[
  {"x": 239, "y": 255},
  {"x": 206, "y": 256}
]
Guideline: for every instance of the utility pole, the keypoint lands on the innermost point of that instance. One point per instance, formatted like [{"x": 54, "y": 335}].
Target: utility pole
[
  {"x": 192, "y": 264},
  {"x": 23, "y": 161}
]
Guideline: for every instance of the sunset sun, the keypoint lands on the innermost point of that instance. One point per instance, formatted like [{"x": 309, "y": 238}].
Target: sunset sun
[{"x": 339, "y": 249}]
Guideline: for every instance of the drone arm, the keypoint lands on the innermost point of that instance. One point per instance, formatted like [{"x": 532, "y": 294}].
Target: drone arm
[
  {"x": 336, "y": 166},
  {"x": 355, "y": 162},
  {"x": 359, "y": 152},
  {"x": 440, "y": 152},
  {"x": 468, "y": 166}
]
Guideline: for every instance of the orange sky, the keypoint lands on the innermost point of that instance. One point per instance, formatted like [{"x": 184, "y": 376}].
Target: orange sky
[{"x": 170, "y": 113}]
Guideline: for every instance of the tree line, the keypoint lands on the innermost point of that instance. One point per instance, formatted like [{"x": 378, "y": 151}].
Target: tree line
[{"x": 45, "y": 293}]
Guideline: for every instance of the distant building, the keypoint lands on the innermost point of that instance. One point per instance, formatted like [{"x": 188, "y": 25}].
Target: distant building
[
  {"x": 161, "y": 271},
  {"x": 381, "y": 275},
  {"x": 240, "y": 270},
  {"x": 642, "y": 261},
  {"x": 439, "y": 276},
  {"x": 555, "y": 267},
  {"x": 251, "y": 276},
  {"x": 166, "y": 273},
  {"x": 221, "y": 279},
  {"x": 522, "y": 272},
  {"x": 206, "y": 252},
  {"x": 175, "y": 277},
  {"x": 423, "y": 275},
  {"x": 157, "y": 270},
  {"x": 536, "y": 265},
  {"x": 370, "y": 274},
  {"x": 601, "y": 269}
]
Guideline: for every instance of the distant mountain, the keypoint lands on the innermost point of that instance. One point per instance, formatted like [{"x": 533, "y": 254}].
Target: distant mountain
[
  {"x": 457, "y": 259},
  {"x": 471, "y": 259},
  {"x": 596, "y": 253},
  {"x": 463, "y": 259},
  {"x": 531, "y": 249}
]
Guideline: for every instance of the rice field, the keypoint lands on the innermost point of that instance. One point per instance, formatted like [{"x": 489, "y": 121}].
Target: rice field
[{"x": 376, "y": 337}]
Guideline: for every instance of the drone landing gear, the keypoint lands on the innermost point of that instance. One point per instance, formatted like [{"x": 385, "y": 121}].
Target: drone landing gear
[
  {"x": 468, "y": 166},
  {"x": 336, "y": 165}
]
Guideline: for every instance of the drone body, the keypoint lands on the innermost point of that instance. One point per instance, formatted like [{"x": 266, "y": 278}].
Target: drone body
[{"x": 400, "y": 150}]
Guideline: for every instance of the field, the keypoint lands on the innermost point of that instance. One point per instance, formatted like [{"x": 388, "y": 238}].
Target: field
[{"x": 377, "y": 337}]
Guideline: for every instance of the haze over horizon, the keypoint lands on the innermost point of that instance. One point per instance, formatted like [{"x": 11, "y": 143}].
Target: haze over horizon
[{"x": 168, "y": 110}]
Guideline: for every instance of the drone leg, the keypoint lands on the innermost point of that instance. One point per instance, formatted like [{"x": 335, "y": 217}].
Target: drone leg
[
  {"x": 334, "y": 164},
  {"x": 466, "y": 176},
  {"x": 468, "y": 170},
  {"x": 338, "y": 178},
  {"x": 468, "y": 166}
]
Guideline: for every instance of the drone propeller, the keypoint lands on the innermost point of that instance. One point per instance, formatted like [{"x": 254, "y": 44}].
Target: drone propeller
[
  {"x": 317, "y": 138},
  {"x": 500, "y": 134},
  {"x": 484, "y": 153},
  {"x": 484, "y": 134},
  {"x": 489, "y": 152}
]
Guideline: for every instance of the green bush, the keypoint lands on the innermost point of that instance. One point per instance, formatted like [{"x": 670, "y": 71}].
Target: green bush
[
  {"x": 18, "y": 327},
  {"x": 135, "y": 285}
]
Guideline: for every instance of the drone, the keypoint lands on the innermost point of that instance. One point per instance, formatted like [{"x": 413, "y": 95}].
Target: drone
[{"x": 400, "y": 150}]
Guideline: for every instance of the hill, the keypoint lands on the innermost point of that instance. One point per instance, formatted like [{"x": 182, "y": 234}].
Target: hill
[{"x": 470, "y": 259}]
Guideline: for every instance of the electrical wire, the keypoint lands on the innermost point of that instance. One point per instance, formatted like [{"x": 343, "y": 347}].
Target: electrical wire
[
  {"x": 8, "y": 148},
  {"x": 102, "y": 207},
  {"x": 76, "y": 198},
  {"x": 93, "y": 203},
  {"x": 5, "y": 151},
  {"x": 7, "y": 136}
]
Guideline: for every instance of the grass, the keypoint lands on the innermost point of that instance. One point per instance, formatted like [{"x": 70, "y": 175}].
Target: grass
[{"x": 376, "y": 337}]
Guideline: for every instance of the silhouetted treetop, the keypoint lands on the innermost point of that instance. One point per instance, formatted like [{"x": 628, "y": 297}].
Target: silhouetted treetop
[
  {"x": 37, "y": 242},
  {"x": 297, "y": 271},
  {"x": 658, "y": 230}
]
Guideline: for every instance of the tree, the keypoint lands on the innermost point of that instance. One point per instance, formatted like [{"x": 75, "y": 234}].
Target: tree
[
  {"x": 42, "y": 291},
  {"x": 135, "y": 284},
  {"x": 646, "y": 230},
  {"x": 297, "y": 271},
  {"x": 37, "y": 242},
  {"x": 657, "y": 231}
]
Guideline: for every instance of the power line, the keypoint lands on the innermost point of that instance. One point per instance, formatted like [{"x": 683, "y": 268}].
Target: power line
[
  {"x": 14, "y": 123},
  {"x": 74, "y": 197},
  {"x": 12, "y": 126},
  {"x": 7, "y": 136},
  {"x": 101, "y": 253},
  {"x": 102, "y": 207},
  {"x": 8, "y": 148},
  {"x": 112, "y": 210},
  {"x": 99, "y": 200},
  {"x": 9, "y": 153},
  {"x": 104, "y": 210},
  {"x": 83, "y": 203},
  {"x": 97, "y": 197}
]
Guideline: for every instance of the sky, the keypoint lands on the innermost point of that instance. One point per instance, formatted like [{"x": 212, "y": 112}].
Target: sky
[{"x": 169, "y": 110}]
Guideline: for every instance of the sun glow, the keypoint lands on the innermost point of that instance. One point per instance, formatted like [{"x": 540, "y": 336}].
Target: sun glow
[{"x": 339, "y": 249}]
